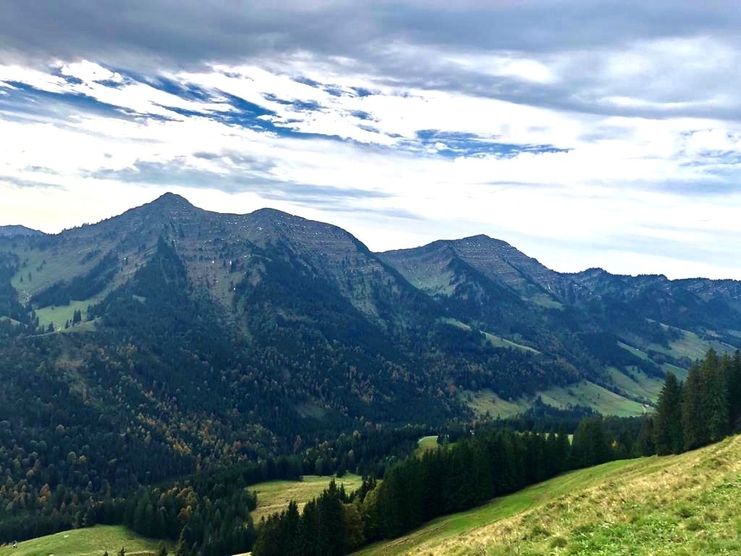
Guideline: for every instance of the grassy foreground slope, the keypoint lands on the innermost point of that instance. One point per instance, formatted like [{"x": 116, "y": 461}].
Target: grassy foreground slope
[
  {"x": 274, "y": 496},
  {"x": 93, "y": 541},
  {"x": 672, "y": 505}
]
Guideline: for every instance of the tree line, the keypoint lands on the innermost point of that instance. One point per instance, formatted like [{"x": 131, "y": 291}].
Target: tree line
[
  {"x": 703, "y": 409},
  {"x": 208, "y": 513},
  {"x": 452, "y": 478},
  {"x": 492, "y": 463}
]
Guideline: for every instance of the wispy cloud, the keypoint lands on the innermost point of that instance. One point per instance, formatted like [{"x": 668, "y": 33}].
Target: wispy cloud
[{"x": 588, "y": 130}]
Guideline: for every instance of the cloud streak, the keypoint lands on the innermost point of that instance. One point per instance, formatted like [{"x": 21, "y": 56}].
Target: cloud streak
[{"x": 599, "y": 129}]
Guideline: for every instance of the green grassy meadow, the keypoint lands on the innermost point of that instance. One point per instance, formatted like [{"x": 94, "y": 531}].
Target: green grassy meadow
[
  {"x": 487, "y": 401},
  {"x": 671, "y": 505},
  {"x": 595, "y": 396},
  {"x": 274, "y": 496},
  {"x": 60, "y": 314},
  {"x": 93, "y": 541},
  {"x": 426, "y": 443}
]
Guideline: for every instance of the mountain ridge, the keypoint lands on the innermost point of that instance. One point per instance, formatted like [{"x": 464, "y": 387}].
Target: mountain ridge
[
  {"x": 196, "y": 340},
  {"x": 477, "y": 312}
]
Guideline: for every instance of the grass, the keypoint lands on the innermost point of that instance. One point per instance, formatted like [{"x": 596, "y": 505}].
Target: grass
[
  {"x": 594, "y": 396},
  {"x": 498, "y": 341},
  {"x": 494, "y": 340},
  {"x": 84, "y": 542},
  {"x": 636, "y": 383},
  {"x": 673, "y": 505},
  {"x": 487, "y": 401},
  {"x": 692, "y": 346},
  {"x": 583, "y": 393},
  {"x": 274, "y": 496},
  {"x": 62, "y": 313},
  {"x": 426, "y": 443}
]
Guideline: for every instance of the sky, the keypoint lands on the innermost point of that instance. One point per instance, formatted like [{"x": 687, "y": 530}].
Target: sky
[{"x": 585, "y": 133}]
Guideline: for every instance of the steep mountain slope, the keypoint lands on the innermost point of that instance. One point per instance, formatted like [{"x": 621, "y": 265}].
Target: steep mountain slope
[
  {"x": 222, "y": 337},
  {"x": 621, "y": 333},
  {"x": 388, "y": 336},
  {"x": 668, "y": 505},
  {"x": 170, "y": 339}
]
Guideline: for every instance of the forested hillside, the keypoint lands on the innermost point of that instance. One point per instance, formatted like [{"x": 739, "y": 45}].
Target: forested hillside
[
  {"x": 494, "y": 463},
  {"x": 170, "y": 340}
]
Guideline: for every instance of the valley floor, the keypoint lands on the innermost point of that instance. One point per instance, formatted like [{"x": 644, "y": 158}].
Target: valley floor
[{"x": 672, "y": 505}]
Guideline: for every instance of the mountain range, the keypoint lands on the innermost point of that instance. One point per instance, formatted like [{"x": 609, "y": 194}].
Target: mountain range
[{"x": 222, "y": 336}]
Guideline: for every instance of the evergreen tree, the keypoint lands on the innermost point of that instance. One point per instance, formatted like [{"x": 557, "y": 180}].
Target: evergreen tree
[
  {"x": 330, "y": 538},
  {"x": 694, "y": 410},
  {"x": 563, "y": 453},
  {"x": 716, "y": 397},
  {"x": 645, "y": 445},
  {"x": 733, "y": 384},
  {"x": 591, "y": 446},
  {"x": 667, "y": 423},
  {"x": 291, "y": 530}
]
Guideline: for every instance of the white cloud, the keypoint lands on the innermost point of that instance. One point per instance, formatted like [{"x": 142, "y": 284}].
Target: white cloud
[{"x": 624, "y": 182}]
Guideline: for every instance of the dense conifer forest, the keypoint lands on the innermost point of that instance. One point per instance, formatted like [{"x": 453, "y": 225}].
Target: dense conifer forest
[{"x": 493, "y": 463}]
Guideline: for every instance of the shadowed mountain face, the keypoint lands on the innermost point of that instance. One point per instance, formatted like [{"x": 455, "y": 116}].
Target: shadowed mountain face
[{"x": 222, "y": 336}]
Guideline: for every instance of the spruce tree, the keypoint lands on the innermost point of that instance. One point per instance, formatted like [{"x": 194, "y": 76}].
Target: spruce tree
[
  {"x": 733, "y": 391},
  {"x": 590, "y": 446},
  {"x": 667, "y": 425},
  {"x": 645, "y": 445},
  {"x": 564, "y": 451},
  {"x": 694, "y": 410},
  {"x": 291, "y": 530},
  {"x": 330, "y": 539},
  {"x": 716, "y": 397}
]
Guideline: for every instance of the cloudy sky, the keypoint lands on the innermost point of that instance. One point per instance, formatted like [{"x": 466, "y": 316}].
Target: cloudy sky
[{"x": 585, "y": 133}]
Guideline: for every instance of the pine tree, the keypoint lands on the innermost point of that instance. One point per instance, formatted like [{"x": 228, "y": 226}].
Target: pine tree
[
  {"x": 645, "y": 445},
  {"x": 694, "y": 410},
  {"x": 563, "y": 454},
  {"x": 716, "y": 397},
  {"x": 291, "y": 530},
  {"x": 733, "y": 384},
  {"x": 330, "y": 527},
  {"x": 590, "y": 443},
  {"x": 667, "y": 425}
]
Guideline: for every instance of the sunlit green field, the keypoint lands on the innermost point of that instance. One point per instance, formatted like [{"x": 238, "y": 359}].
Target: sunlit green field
[
  {"x": 274, "y": 496},
  {"x": 93, "y": 541},
  {"x": 426, "y": 443}
]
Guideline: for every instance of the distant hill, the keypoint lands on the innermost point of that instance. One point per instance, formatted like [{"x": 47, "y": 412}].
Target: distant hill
[
  {"x": 15, "y": 231},
  {"x": 658, "y": 505}
]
